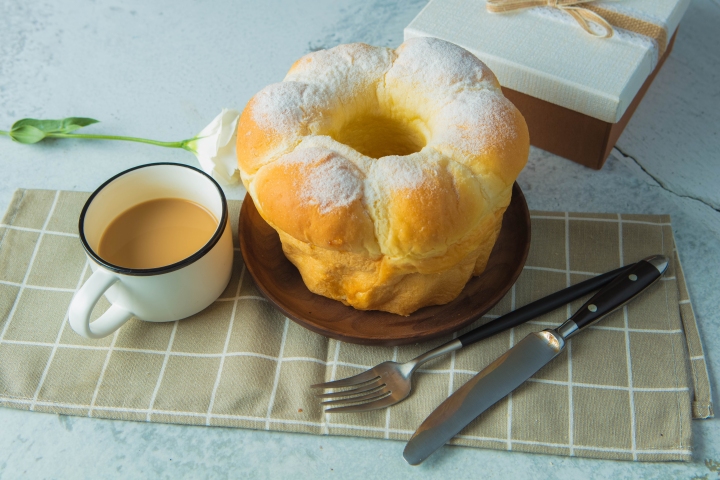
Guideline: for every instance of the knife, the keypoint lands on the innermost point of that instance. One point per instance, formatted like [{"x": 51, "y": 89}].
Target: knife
[{"x": 523, "y": 360}]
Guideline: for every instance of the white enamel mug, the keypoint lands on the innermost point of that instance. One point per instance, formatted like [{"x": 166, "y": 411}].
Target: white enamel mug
[{"x": 160, "y": 294}]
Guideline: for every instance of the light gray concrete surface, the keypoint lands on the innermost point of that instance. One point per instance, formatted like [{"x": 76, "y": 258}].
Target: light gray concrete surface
[{"x": 163, "y": 69}]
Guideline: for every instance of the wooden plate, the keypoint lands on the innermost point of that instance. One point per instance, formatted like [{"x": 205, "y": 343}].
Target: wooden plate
[{"x": 281, "y": 283}]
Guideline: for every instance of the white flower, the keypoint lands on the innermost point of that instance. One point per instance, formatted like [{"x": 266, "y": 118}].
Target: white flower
[{"x": 214, "y": 147}]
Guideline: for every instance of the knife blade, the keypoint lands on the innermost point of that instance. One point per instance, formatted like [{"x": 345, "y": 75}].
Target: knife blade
[{"x": 523, "y": 360}]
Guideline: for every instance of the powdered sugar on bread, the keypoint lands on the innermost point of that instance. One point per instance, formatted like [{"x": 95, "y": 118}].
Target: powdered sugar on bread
[
  {"x": 277, "y": 107},
  {"x": 476, "y": 122},
  {"x": 385, "y": 172},
  {"x": 434, "y": 66},
  {"x": 330, "y": 181}
]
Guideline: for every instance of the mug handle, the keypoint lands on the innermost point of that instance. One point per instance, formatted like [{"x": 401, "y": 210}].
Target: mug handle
[{"x": 85, "y": 300}]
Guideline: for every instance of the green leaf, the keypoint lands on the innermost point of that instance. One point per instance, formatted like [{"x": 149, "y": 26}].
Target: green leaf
[
  {"x": 27, "y": 134},
  {"x": 66, "y": 125},
  {"x": 73, "y": 123}
]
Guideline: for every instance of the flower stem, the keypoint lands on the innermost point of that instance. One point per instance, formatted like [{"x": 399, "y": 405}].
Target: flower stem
[
  {"x": 3, "y": 132},
  {"x": 180, "y": 144}
]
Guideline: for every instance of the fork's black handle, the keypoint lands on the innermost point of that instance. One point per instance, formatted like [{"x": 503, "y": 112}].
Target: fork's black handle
[{"x": 540, "y": 307}]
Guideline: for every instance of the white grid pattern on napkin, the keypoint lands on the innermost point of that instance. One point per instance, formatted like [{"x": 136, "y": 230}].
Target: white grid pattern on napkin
[{"x": 326, "y": 421}]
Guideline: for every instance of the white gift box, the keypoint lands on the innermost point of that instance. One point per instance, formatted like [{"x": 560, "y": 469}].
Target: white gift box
[{"x": 555, "y": 72}]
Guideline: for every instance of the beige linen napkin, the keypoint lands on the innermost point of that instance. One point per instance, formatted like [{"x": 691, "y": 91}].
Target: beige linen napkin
[{"x": 627, "y": 389}]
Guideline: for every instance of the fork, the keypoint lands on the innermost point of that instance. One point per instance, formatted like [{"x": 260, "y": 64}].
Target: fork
[{"x": 389, "y": 382}]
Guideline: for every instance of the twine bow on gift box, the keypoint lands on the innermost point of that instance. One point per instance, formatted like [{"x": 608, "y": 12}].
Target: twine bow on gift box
[
  {"x": 585, "y": 13},
  {"x": 581, "y": 14}
]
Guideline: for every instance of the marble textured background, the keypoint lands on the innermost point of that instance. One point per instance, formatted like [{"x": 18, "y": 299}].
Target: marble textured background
[{"x": 163, "y": 69}]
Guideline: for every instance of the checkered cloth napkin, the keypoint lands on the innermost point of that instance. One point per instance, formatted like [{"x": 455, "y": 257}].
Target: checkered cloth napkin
[{"x": 627, "y": 389}]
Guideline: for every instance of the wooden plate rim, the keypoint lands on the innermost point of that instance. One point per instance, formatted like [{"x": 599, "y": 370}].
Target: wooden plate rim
[{"x": 517, "y": 202}]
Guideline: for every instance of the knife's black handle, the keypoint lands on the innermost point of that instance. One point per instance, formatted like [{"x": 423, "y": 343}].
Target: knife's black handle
[
  {"x": 620, "y": 291},
  {"x": 540, "y": 307}
]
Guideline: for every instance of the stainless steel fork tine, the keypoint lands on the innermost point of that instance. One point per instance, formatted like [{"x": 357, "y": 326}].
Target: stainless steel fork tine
[
  {"x": 364, "y": 388},
  {"x": 377, "y": 404},
  {"x": 376, "y": 395},
  {"x": 358, "y": 379}
]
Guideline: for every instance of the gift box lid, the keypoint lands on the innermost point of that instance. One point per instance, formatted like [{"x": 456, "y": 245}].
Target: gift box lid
[{"x": 543, "y": 51}]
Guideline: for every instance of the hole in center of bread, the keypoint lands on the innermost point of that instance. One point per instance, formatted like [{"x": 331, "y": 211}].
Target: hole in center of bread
[{"x": 378, "y": 136}]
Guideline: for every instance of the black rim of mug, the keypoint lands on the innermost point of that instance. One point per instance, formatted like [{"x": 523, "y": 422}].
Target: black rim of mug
[{"x": 166, "y": 268}]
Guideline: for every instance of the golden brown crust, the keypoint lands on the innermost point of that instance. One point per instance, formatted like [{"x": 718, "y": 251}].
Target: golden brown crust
[
  {"x": 428, "y": 219},
  {"x": 407, "y": 229},
  {"x": 283, "y": 203},
  {"x": 263, "y": 130},
  {"x": 253, "y": 143}
]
